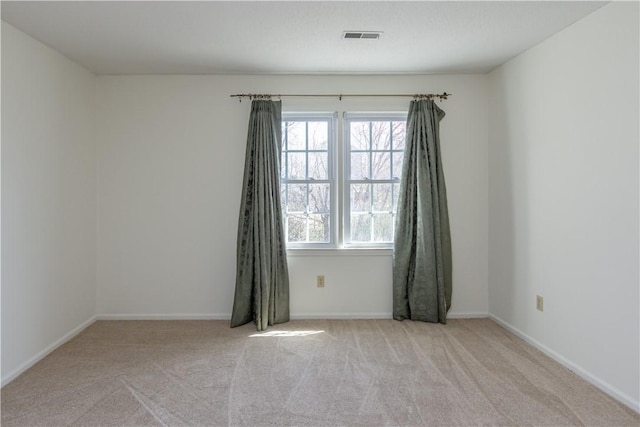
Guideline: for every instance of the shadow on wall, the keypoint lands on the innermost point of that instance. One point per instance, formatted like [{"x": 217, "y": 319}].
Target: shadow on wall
[{"x": 506, "y": 187}]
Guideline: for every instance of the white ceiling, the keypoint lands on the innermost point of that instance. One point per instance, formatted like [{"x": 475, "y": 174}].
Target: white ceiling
[{"x": 272, "y": 37}]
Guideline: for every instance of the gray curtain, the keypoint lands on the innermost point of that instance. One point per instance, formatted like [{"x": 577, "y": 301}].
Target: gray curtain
[
  {"x": 422, "y": 246},
  {"x": 262, "y": 278}
]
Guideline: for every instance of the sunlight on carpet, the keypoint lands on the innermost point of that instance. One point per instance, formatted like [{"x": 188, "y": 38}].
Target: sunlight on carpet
[{"x": 285, "y": 334}]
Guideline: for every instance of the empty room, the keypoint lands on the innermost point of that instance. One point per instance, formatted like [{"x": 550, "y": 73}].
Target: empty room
[{"x": 350, "y": 213}]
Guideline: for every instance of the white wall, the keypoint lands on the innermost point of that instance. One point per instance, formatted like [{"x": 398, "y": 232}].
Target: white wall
[
  {"x": 48, "y": 199},
  {"x": 170, "y": 159},
  {"x": 563, "y": 196}
]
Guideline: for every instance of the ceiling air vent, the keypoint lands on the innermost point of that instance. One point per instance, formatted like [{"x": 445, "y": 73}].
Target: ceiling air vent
[{"x": 361, "y": 34}]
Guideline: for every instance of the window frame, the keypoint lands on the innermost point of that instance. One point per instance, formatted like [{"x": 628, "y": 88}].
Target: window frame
[
  {"x": 339, "y": 180},
  {"x": 331, "y": 120},
  {"x": 346, "y": 180}
]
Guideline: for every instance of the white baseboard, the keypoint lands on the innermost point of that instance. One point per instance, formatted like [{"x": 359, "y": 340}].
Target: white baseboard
[
  {"x": 294, "y": 316},
  {"x": 387, "y": 315},
  {"x": 467, "y": 315},
  {"x": 35, "y": 359},
  {"x": 602, "y": 385},
  {"x": 338, "y": 316},
  {"x": 227, "y": 316},
  {"x": 175, "y": 316}
]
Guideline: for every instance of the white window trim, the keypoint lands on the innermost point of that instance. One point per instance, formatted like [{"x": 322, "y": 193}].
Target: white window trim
[
  {"x": 331, "y": 118},
  {"x": 345, "y": 179},
  {"x": 338, "y": 173}
]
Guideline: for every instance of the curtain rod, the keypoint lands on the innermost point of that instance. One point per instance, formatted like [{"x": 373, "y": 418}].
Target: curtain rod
[{"x": 443, "y": 95}]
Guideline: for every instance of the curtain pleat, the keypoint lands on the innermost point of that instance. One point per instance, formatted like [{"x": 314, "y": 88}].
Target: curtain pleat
[
  {"x": 262, "y": 278},
  {"x": 422, "y": 264}
]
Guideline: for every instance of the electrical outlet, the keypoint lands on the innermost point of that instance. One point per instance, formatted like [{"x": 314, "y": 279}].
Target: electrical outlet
[
  {"x": 320, "y": 281},
  {"x": 539, "y": 303}
]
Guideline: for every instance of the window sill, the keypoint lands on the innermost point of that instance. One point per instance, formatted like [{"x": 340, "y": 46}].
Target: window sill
[{"x": 340, "y": 252}]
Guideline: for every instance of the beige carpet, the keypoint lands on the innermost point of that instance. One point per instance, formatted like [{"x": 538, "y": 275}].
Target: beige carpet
[{"x": 316, "y": 373}]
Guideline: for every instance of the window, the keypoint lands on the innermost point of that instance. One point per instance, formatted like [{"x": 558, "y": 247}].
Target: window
[
  {"x": 367, "y": 177},
  {"x": 375, "y": 149},
  {"x": 307, "y": 181}
]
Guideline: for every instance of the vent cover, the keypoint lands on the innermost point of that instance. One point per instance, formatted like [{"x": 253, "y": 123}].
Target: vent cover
[{"x": 373, "y": 35}]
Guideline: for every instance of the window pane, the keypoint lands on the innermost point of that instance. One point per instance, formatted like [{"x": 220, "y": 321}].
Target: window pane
[
  {"x": 318, "y": 136},
  {"x": 380, "y": 135},
  {"x": 319, "y": 165},
  {"x": 360, "y": 166},
  {"x": 382, "y": 197},
  {"x": 297, "y": 198},
  {"x": 297, "y": 166},
  {"x": 319, "y": 198},
  {"x": 381, "y": 166},
  {"x": 319, "y": 228},
  {"x": 359, "y": 135},
  {"x": 296, "y": 228},
  {"x": 360, "y": 197},
  {"x": 399, "y": 135},
  {"x": 360, "y": 227},
  {"x": 382, "y": 228},
  {"x": 297, "y": 135},
  {"x": 398, "y": 158},
  {"x": 396, "y": 194}
]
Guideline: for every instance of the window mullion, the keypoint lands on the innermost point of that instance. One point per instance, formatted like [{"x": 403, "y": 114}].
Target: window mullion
[
  {"x": 391, "y": 149},
  {"x": 371, "y": 217},
  {"x": 337, "y": 176},
  {"x": 306, "y": 154},
  {"x": 371, "y": 225}
]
